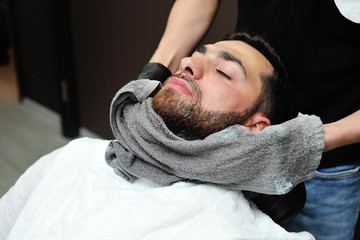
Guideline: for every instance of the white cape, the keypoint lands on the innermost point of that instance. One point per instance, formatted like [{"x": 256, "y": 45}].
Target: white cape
[{"x": 72, "y": 193}]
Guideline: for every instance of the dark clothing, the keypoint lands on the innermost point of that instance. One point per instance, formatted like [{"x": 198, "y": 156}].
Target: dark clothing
[{"x": 320, "y": 49}]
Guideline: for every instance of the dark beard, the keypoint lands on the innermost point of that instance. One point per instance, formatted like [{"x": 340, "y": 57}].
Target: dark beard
[{"x": 186, "y": 119}]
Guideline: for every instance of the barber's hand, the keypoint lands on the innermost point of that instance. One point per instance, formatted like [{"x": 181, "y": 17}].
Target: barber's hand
[{"x": 155, "y": 71}]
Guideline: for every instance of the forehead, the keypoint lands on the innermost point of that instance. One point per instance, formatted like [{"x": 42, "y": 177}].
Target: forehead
[{"x": 253, "y": 61}]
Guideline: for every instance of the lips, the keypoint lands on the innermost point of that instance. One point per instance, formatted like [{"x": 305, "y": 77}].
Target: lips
[{"x": 179, "y": 85}]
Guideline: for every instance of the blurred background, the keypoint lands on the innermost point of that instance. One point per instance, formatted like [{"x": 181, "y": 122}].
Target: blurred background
[{"x": 62, "y": 61}]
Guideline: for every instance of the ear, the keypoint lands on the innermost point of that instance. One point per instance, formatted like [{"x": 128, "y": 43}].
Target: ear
[{"x": 257, "y": 122}]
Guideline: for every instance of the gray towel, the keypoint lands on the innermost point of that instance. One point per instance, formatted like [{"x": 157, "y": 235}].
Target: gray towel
[{"x": 272, "y": 161}]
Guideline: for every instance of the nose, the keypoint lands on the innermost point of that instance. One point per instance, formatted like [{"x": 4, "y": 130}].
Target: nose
[{"x": 192, "y": 66}]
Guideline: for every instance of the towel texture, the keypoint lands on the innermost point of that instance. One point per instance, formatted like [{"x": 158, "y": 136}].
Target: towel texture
[{"x": 272, "y": 161}]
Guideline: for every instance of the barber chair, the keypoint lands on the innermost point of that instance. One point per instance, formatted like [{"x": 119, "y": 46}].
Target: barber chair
[{"x": 281, "y": 208}]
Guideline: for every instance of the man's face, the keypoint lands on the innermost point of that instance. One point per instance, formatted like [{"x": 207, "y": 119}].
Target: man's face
[{"x": 216, "y": 87}]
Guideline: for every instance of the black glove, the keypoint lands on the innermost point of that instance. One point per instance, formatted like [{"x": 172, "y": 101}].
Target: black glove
[
  {"x": 155, "y": 71},
  {"x": 281, "y": 208}
]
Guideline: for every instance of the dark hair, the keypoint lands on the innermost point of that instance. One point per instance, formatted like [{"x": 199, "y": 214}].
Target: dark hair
[{"x": 275, "y": 100}]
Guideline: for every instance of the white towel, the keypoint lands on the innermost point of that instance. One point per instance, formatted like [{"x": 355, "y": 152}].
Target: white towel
[{"x": 73, "y": 194}]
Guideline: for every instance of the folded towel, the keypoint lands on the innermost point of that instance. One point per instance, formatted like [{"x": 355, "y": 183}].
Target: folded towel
[{"x": 272, "y": 161}]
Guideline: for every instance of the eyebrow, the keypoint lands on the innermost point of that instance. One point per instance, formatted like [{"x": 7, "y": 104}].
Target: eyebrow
[{"x": 225, "y": 55}]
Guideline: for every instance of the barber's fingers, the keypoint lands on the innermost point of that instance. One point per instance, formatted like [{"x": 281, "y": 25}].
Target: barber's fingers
[{"x": 154, "y": 71}]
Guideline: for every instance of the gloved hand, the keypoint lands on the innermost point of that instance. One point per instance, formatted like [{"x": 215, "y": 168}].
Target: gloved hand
[
  {"x": 281, "y": 208},
  {"x": 155, "y": 71}
]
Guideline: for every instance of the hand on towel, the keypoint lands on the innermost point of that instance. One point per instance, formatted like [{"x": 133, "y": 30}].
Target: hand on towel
[{"x": 155, "y": 71}]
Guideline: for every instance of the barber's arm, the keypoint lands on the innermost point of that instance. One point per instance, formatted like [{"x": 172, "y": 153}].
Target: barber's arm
[
  {"x": 342, "y": 132},
  {"x": 188, "y": 22}
]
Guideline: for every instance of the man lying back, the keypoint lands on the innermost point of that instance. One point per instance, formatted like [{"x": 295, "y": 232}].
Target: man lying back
[{"x": 219, "y": 92}]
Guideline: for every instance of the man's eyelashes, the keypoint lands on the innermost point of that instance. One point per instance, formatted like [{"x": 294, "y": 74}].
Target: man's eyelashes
[{"x": 223, "y": 74}]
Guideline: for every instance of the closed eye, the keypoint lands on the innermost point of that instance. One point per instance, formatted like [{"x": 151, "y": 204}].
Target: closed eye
[{"x": 223, "y": 74}]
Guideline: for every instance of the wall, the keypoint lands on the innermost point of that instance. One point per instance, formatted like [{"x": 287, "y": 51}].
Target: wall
[
  {"x": 72, "y": 56},
  {"x": 32, "y": 38},
  {"x": 113, "y": 40}
]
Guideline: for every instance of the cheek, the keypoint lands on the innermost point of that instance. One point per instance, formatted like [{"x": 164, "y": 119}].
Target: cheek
[{"x": 225, "y": 99}]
